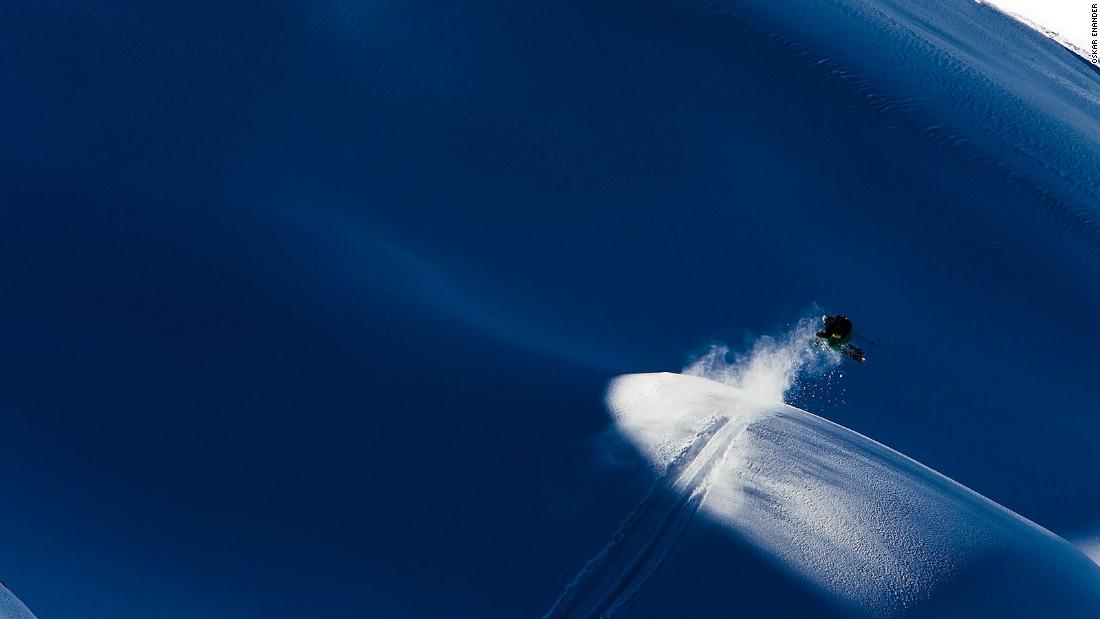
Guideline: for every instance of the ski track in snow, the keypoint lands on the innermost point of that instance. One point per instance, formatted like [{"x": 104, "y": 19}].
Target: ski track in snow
[
  {"x": 875, "y": 532},
  {"x": 650, "y": 531}
]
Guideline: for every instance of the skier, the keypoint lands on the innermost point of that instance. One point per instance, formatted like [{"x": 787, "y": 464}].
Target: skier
[{"x": 838, "y": 336}]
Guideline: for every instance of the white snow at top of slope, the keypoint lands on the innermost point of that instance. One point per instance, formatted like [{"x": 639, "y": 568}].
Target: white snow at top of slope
[
  {"x": 1067, "y": 21},
  {"x": 872, "y": 529},
  {"x": 11, "y": 607}
]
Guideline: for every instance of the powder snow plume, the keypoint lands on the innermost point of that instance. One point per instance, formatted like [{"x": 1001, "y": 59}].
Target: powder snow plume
[{"x": 774, "y": 365}]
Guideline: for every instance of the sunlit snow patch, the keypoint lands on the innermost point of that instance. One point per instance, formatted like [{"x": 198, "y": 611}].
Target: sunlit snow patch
[
  {"x": 11, "y": 607},
  {"x": 872, "y": 529},
  {"x": 1090, "y": 546}
]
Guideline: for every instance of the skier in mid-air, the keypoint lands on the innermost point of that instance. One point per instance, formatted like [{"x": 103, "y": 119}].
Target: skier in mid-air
[{"x": 838, "y": 336}]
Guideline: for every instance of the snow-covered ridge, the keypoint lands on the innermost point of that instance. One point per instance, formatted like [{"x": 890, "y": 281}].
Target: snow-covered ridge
[
  {"x": 11, "y": 607},
  {"x": 1064, "y": 21},
  {"x": 871, "y": 529}
]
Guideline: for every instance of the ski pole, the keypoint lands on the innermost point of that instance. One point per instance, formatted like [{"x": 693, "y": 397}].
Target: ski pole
[{"x": 869, "y": 341}]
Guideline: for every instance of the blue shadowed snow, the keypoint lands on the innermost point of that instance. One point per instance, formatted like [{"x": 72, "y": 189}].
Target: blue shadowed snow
[{"x": 312, "y": 310}]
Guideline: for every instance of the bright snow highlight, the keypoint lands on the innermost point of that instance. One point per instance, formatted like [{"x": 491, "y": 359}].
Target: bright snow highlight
[
  {"x": 875, "y": 531},
  {"x": 773, "y": 366},
  {"x": 11, "y": 607}
]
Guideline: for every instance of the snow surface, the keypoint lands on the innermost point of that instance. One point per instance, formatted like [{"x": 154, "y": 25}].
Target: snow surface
[
  {"x": 1066, "y": 21},
  {"x": 870, "y": 528},
  {"x": 1088, "y": 545},
  {"x": 11, "y": 607},
  {"x": 633, "y": 175}
]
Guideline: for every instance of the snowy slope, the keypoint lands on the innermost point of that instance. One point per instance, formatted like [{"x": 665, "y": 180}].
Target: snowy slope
[
  {"x": 1065, "y": 21},
  {"x": 869, "y": 528},
  {"x": 11, "y": 607},
  {"x": 271, "y": 250},
  {"x": 1091, "y": 548}
]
